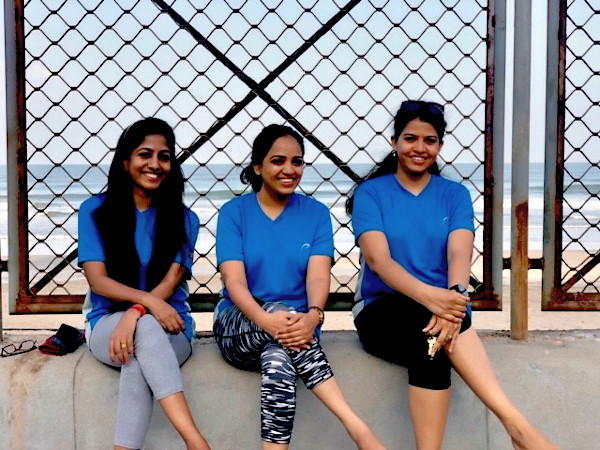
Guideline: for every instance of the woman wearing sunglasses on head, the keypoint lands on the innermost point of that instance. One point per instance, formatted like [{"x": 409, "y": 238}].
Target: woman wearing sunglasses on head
[
  {"x": 136, "y": 243},
  {"x": 274, "y": 251},
  {"x": 415, "y": 232}
]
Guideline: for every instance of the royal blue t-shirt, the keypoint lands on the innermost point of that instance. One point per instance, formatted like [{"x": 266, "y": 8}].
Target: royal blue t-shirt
[
  {"x": 416, "y": 227},
  {"x": 91, "y": 248},
  {"x": 275, "y": 253}
]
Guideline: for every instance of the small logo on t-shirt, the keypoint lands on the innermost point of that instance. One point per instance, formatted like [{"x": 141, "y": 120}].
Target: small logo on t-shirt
[
  {"x": 306, "y": 245},
  {"x": 445, "y": 220}
]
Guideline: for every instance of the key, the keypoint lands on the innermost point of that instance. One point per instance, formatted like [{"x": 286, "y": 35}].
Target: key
[{"x": 431, "y": 341}]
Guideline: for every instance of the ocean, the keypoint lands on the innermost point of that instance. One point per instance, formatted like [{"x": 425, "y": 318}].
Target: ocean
[{"x": 54, "y": 198}]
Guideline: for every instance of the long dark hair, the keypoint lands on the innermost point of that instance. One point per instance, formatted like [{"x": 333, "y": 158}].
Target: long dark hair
[
  {"x": 261, "y": 146},
  {"x": 116, "y": 216},
  {"x": 432, "y": 113}
]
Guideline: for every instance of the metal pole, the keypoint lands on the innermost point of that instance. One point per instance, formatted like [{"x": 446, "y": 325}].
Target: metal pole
[
  {"x": 554, "y": 76},
  {"x": 520, "y": 171},
  {"x": 10, "y": 52},
  {"x": 498, "y": 158}
]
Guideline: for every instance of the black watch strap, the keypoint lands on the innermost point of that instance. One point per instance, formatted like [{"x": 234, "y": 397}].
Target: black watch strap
[{"x": 460, "y": 289}]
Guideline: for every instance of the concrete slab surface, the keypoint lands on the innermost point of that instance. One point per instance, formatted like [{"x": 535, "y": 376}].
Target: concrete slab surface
[{"x": 69, "y": 402}]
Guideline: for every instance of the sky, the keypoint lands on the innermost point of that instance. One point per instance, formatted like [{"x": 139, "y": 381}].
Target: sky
[{"x": 537, "y": 82}]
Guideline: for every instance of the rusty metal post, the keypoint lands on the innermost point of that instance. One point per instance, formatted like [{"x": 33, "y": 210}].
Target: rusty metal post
[
  {"x": 520, "y": 171},
  {"x": 498, "y": 147},
  {"x": 12, "y": 10},
  {"x": 555, "y": 76}
]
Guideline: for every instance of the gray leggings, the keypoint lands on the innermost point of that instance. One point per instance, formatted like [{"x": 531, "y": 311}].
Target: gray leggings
[{"x": 153, "y": 370}]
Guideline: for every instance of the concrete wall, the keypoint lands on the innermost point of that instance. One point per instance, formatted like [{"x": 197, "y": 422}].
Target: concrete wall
[{"x": 69, "y": 402}]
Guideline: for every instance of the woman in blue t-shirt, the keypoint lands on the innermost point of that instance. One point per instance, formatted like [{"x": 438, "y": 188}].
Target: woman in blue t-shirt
[
  {"x": 274, "y": 252},
  {"x": 415, "y": 232},
  {"x": 136, "y": 243}
]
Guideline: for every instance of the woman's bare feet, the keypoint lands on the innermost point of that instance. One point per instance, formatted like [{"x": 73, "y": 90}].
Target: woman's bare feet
[{"x": 525, "y": 436}]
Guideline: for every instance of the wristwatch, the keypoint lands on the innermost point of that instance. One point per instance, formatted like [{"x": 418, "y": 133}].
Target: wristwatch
[
  {"x": 460, "y": 289},
  {"x": 320, "y": 312}
]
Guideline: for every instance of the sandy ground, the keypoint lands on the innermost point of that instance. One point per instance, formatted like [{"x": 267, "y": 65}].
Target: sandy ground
[{"x": 343, "y": 271}]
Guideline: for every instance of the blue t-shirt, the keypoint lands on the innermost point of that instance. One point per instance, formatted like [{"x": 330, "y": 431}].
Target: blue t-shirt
[
  {"x": 416, "y": 227},
  {"x": 91, "y": 248},
  {"x": 275, "y": 253}
]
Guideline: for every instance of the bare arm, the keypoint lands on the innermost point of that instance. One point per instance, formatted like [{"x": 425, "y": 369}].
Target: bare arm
[
  {"x": 460, "y": 252},
  {"x": 302, "y": 329},
  {"x": 447, "y": 304},
  {"x": 233, "y": 274},
  {"x": 164, "y": 290},
  {"x": 102, "y": 284}
]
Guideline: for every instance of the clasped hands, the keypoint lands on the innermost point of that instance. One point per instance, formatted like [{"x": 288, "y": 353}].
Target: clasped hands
[
  {"x": 293, "y": 330},
  {"x": 448, "y": 308}
]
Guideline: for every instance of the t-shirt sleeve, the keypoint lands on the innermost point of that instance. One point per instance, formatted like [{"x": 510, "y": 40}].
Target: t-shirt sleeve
[
  {"x": 366, "y": 212},
  {"x": 229, "y": 233},
  {"x": 323, "y": 242},
  {"x": 90, "y": 246},
  {"x": 185, "y": 256},
  {"x": 462, "y": 214}
]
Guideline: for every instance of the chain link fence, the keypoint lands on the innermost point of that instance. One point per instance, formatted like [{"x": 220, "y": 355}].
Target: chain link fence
[
  {"x": 580, "y": 258},
  {"x": 218, "y": 71}
]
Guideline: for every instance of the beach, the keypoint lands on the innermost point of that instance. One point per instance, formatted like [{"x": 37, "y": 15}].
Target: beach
[{"x": 344, "y": 269}]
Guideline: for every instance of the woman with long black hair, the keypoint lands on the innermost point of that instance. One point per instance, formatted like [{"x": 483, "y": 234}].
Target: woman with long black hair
[{"x": 136, "y": 244}]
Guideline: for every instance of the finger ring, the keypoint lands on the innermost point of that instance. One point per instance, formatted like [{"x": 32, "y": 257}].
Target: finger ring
[{"x": 123, "y": 345}]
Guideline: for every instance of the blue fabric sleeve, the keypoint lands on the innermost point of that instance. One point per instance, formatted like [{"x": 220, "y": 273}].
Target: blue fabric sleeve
[
  {"x": 366, "y": 213},
  {"x": 90, "y": 244},
  {"x": 185, "y": 256},
  {"x": 323, "y": 242},
  {"x": 229, "y": 241},
  {"x": 462, "y": 214}
]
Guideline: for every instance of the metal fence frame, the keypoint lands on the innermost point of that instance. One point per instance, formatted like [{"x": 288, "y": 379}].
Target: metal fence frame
[
  {"x": 555, "y": 295},
  {"x": 24, "y": 298}
]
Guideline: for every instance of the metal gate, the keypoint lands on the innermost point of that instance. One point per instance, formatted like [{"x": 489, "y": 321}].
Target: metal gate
[
  {"x": 572, "y": 229},
  {"x": 218, "y": 71}
]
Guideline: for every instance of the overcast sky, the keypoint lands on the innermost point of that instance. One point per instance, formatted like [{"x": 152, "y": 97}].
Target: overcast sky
[{"x": 538, "y": 83}]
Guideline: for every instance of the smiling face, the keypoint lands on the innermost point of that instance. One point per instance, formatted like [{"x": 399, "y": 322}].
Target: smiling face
[
  {"x": 281, "y": 168},
  {"x": 148, "y": 165},
  {"x": 417, "y": 148}
]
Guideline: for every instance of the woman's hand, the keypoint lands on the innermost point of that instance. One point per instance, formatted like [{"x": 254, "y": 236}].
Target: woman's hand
[
  {"x": 300, "y": 332},
  {"x": 121, "y": 339},
  {"x": 276, "y": 321},
  {"x": 166, "y": 315},
  {"x": 448, "y": 332},
  {"x": 448, "y": 305}
]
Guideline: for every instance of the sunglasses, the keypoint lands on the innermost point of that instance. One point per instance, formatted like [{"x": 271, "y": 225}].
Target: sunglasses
[
  {"x": 17, "y": 349},
  {"x": 416, "y": 105}
]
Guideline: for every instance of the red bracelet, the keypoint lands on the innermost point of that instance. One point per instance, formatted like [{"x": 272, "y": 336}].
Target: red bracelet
[{"x": 139, "y": 308}]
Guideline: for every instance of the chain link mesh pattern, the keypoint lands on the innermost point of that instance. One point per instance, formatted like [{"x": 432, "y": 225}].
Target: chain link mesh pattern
[
  {"x": 92, "y": 68},
  {"x": 581, "y": 187}
]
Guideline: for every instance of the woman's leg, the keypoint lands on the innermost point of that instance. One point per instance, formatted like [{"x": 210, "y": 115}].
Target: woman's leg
[
  {"x": 428, "y": 412},
  {"x": 390, "y": 328},
  {"x": 159, "y": 356},
  {"x": 314, "y": 370},
  {"x": 471, "y": 362},
  {"x": 135, "y": 398},
  {"x": 277, "y": 397},
  {"x": 248, "y": 347}
]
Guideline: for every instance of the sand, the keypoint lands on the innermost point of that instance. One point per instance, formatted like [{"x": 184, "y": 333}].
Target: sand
[{"x": 345, "y": 272}]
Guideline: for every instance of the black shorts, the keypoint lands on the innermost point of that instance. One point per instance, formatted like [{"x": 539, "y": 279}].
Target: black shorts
[{"x": 391, "y": 328}]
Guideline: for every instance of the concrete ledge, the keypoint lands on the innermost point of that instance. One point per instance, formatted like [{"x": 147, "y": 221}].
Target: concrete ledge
[{"x": 70, "y": 402}]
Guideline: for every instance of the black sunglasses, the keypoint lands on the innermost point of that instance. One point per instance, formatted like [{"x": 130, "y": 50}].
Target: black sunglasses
[
  {"x": 17, "y": 349},
  {"x": 416, "y": 105}
]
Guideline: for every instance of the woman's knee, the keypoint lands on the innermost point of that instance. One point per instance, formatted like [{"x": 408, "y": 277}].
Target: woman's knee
[
  {"x": 149, "y": 331},
  {"x": 276, "y": 364}
]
